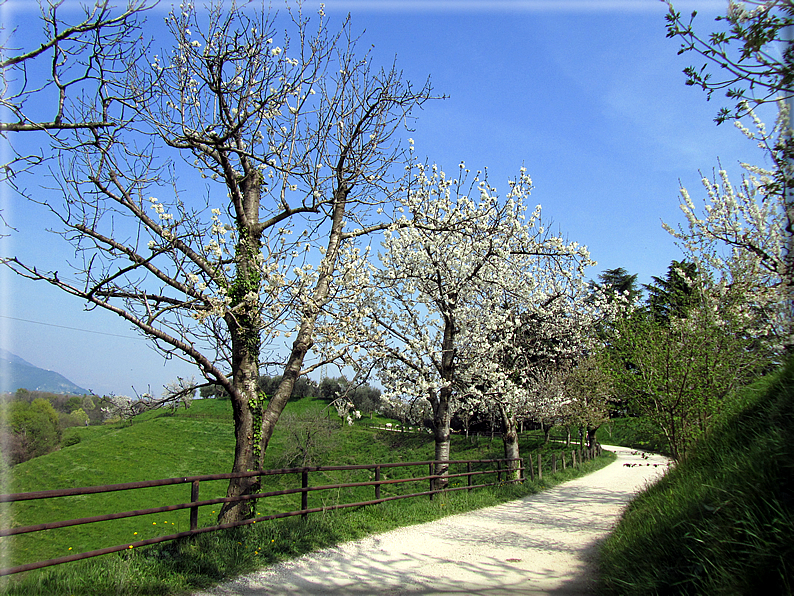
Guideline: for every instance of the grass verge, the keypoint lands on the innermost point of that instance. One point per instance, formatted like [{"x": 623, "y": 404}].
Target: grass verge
[
  {"x": 201, "y": 561},
  {"x": 722, "y": 521}
]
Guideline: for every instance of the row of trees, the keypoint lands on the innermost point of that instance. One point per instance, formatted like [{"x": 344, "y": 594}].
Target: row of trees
[
  {"x": 32, "y": 422},
  {"x": 471, "y": 303},
  {"x": 678, "y": 358}
]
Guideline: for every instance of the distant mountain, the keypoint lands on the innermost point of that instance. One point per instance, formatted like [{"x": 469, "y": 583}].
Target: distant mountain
[{"x": 16, "y": 373}]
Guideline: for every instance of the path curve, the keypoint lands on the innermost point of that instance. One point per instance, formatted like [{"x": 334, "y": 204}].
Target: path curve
[{"x": 541, "y": 544}]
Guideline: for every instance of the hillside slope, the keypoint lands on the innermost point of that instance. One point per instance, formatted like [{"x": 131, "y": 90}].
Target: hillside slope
[
  {"x": 196, "y": 441},
  {"x": 721, "y": 522}
]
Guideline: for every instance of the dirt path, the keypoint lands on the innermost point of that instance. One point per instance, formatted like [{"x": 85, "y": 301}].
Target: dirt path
[{"x": 542, "y": 544}]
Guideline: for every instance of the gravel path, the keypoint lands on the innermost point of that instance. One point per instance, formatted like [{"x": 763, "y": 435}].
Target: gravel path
[{"x": 541, "y": 544}]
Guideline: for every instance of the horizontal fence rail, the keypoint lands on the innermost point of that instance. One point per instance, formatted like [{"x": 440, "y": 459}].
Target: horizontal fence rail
[{"x": 495, "y": 467}]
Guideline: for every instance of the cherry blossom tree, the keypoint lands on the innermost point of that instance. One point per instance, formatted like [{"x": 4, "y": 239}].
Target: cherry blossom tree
[
  {"x": 292, "y": 138},
  {"x": 742, "y": 234},
  {"x": 522, "y": 352},
  {"x": 746, "y": 231},
  {"x": 461, "y": 251}
]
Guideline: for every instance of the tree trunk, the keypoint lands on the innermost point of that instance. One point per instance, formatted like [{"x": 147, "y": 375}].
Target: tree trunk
[
  {"x": 244, "y": 404},
  {"x": 244, "y": 329},
  {"x": 441, "y": 420},
  {"x": 305, "y": 338},
  {"x": 591, "y": 436},
  {"x": 442, "y": 415},
  {"x": 510, "y": 440}
]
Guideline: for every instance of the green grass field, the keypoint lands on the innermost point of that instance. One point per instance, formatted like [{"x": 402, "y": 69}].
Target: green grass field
[
  {"x": 198, "y": 441},
  {"x": 721, "y": 521}
]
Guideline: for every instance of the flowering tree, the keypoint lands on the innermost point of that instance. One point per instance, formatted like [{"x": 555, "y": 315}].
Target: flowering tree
[
  {"x": 521, "y": 353},
  {"x": 462, "y": 251},
  {"x": 292, "y": 138},
  {"x": 743, "y": 234},
  {"x": 747, "y": 232}
]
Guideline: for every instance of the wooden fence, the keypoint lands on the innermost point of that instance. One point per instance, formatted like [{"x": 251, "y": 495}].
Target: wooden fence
[{"x": 496, "y": 468}]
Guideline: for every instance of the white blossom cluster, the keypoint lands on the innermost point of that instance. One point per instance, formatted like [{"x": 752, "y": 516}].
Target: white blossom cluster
[
  {"x": 458, "y": 272},
  {"x": 741, "y": 235}
]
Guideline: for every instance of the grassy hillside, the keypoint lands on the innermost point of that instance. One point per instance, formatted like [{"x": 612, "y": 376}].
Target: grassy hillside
[
  {"x": 722, "y": 521},
  {"x": 200, "y": 440}
]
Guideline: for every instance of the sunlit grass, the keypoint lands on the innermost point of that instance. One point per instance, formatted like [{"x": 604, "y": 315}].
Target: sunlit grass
[
  {"x": 200, "y": 441},
  {"x": 722, "y": 521},
  {"x": 201, "y": 561}
]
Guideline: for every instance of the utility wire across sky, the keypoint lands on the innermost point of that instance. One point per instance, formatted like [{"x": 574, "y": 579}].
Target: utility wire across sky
[{"x": 72, "y": 328}]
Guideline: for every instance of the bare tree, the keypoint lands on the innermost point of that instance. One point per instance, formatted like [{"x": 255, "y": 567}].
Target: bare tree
[
  {"x": 298, "y": 132},
  {"x": 69, "y": 61}
]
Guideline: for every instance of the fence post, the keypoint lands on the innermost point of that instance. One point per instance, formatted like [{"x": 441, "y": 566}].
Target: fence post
[
  {"x": 305, "y": 493},
  {"x": 499, "y": 471},
  {"x": 562, "y": 457},
  {"x": 377, "y": 479},
  {"x": 431, "y": 481},
  {"x": 521, "y": 470},
  {"x": 573, "y": 458},
  {"x": 194, "y": 497},
  {"x": 531, "y": 469},
  {"x": 540, "y": 467},
  {"x": 554, "y": 462},
  {"x": 468, "y": 471}
]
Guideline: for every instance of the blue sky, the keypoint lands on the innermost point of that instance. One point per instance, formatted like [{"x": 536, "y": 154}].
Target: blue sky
[{"x": 588, "y": 95}]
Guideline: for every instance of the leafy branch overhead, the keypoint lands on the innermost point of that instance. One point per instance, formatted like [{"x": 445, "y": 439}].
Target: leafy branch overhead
[{"x": 754, "y": 55}]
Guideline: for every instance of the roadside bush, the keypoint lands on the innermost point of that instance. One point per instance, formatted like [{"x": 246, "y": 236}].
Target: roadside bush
[{"x": 29, "y": 429}]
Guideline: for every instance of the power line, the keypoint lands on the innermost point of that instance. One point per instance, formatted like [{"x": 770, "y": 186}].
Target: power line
[{"x": 72, "y": 328}]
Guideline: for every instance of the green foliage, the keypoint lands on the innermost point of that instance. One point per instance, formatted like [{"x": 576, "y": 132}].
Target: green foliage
[
  {"x": 364, "y": 398},
  {"x": 331, "y": 388},
  {"x": 70, "y": 440},
  {"x": 673, "y": 295},
  {"x": 747, "y": 52},
  {"x": 721, "y": 521},
  {"x": 681, "y": 375},
  {"x": 637, "y": 432},
  {"x": 678, "y": 363},
  {"x": 74, "y": 403},
  {"x": 304, "y": 387},
  {"x": 29, "y": 429},
  {"x": 213, "y": 391},
  {"x": 618, "y": 282}
]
